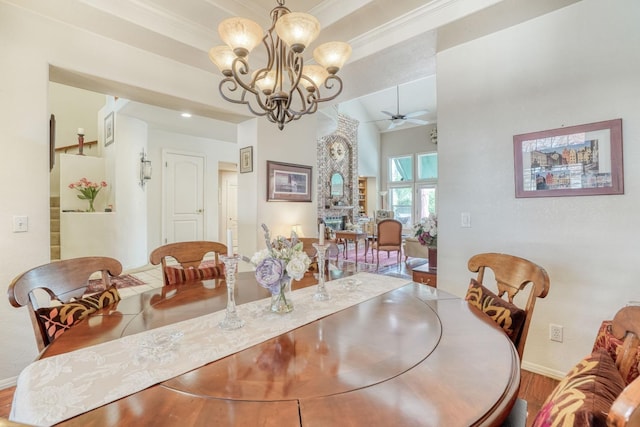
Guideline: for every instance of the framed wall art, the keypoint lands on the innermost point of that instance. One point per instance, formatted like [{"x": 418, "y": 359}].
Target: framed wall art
[
  {"x": 108, "y": 129},
  {"x": 581, "y": 160},
  {"x": 246, "y": 159},
  {"x": 288, "y": 182}
]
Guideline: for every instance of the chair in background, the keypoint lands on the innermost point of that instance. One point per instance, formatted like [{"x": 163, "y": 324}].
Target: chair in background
[
  {"x": 382, "y": 214},
  {"x": 512, "y": 274},
  {"x": 190, "y": 258},
  {"x": 388, "y": 238},
  {"x": 63, "y": 281}
]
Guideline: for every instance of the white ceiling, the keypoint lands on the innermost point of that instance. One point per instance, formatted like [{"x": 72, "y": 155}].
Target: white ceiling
[{"x": 394, "y": 45}]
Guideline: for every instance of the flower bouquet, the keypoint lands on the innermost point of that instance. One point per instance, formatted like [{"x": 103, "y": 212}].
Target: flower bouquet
[
  {"x": 426, "y": 231},
  {"x": 282, "y": 261},
  {"x": 89, "y": 190}
]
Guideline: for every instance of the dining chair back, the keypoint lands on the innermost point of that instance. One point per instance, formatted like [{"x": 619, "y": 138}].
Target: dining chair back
[
  {"x": 189, "y": 257},
  {"x": 388, "y": 238},
  {"x": 513, "y": 274},
  {"x": 63, "y": 281}
]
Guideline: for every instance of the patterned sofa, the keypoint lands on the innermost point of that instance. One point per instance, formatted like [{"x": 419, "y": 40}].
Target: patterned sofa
[{"x": 601, "y": 389}]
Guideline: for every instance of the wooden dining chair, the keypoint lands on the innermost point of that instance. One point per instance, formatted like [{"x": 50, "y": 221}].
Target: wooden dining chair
[
  {"x": 512, "y": 274},
  {"x": 64, "y": 281},
  {"x": 190, "y": 261},
  {"x": 388, "y": 238}
]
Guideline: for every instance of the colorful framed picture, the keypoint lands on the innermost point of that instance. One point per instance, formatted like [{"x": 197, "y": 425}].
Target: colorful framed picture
[
  {"x": 288, "y": 182},
  {"x": 246, "y": 159},
  {"x": 583, "y": 160},
  {"x": 108, "y": 129}
]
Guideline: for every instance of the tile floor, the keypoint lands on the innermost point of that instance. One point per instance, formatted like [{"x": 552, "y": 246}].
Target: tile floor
[{"x": 151, "y": 275}]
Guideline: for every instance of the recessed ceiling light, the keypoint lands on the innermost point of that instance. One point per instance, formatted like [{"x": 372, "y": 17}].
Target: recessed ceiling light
[{"x": 186, "y": 115}]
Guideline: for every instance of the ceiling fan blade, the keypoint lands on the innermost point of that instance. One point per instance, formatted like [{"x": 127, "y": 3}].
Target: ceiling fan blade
[
  {"x": 418, "y": 121},
  {"x": 387, "y": 113},
  {"x": 417, "y": 113},
  {"x": 392, "y": 125}
]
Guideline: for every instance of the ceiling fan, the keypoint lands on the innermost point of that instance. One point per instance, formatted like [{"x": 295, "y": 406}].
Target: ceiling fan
[{"x": 400, "y": 119}]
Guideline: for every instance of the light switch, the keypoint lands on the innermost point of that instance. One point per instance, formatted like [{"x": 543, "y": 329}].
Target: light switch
[
  {"x": 20, "y": 224},
  {"x": 465, "y": 220}
]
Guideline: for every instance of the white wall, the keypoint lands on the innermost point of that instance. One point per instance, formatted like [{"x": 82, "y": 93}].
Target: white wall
[
  {"x": 73, "y": 108},
  {"x": 403, "y": 142},
  {"x": 295, "y": 144},
  {"x": 574, "y": 66}
]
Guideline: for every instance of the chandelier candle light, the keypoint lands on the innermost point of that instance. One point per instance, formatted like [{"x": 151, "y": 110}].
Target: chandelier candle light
[{"x": 284, "y": 89}]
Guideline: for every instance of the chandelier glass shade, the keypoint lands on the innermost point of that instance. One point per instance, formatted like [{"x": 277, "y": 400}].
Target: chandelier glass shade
[{"x": 283, "y": 89}]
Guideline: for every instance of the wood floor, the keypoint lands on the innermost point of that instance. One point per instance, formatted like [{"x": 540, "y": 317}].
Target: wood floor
[{"x": 534, "y": 388}]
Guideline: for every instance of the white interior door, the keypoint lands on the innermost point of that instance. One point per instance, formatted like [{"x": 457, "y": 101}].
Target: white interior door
[
  {"x": 229, "y": 205},
  {"x": 183, "y": 197},
  {"x": 232, "y": 212}
]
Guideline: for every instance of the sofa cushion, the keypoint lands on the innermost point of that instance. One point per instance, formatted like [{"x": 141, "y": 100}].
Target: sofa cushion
[
  {"x": 507, "y": 315},
  {"x": 59, "y": 318},
  {"x": 585, "y": 394},
  {"x": 605, "y": 340}
]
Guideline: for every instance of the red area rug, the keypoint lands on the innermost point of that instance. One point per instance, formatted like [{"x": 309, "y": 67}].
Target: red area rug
[{"x": 124, "y": 281}]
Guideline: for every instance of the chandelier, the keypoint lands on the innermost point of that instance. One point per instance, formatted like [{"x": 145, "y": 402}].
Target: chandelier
[{"x": 284, "y": 89}]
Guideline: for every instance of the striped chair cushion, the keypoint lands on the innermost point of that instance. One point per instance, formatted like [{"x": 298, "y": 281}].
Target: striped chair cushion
[{"x": 176, "y": 274}]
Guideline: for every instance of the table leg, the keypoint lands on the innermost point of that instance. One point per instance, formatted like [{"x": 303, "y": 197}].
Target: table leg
[
  {"x": 366, "y": 247},
  {"x": 355, "y": 241}
]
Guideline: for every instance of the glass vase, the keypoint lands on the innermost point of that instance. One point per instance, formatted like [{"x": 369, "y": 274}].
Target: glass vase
[
  {"x": 281, "y": 301},
  {"x": 91, "y": 208}
]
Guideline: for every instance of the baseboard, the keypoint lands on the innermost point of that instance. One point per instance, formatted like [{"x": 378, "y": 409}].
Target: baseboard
[
  {"x": 542, "y": 370},
  {"x": 8, "y": 383}
]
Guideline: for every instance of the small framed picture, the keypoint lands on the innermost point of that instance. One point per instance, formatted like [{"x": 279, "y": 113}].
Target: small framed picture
[
  {"x": 583, "y": 160},
  {"x": 288, "y": 182},
  {"x": 108, "y": 129},
  {"x": 246, "y": 159}
]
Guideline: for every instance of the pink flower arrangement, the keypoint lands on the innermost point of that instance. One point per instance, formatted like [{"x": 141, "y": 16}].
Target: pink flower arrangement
[
  {"x": 89, "y": 190},
  {"x": 427, "y": 231}
]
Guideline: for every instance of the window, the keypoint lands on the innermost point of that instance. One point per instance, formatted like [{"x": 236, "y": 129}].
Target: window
[
  {"x": 401, "y": 199},
  {"x": 411, "y": 199},
  {"x": 427, "y": 166},
  {"x": 401, "y": 169}
]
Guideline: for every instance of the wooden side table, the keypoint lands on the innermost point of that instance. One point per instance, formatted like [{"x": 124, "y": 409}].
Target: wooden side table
[{"x": 422, "y": 274}]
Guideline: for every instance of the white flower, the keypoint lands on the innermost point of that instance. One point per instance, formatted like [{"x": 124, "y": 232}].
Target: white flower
[
  {"x": 288, "y": 250},
  {"x": 298, "y": 264},
  {"x": 259, "y": 256}
]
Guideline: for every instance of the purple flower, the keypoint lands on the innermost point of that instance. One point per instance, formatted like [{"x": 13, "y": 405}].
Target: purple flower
[{"x": 270, "y": 272}]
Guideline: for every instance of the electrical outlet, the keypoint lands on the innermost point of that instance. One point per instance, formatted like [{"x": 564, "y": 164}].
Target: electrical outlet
[{"x": 555, "y": 332}]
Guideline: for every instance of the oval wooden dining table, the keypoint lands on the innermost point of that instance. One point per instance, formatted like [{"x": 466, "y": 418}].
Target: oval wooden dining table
[{"x": 416, "y": 356}]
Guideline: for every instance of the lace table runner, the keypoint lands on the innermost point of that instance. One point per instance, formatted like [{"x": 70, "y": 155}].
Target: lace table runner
[{"x": 54, "y": 389}]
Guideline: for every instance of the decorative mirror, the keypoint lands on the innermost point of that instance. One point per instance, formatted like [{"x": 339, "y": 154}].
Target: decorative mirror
[{"x": 337, "y": 185}]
